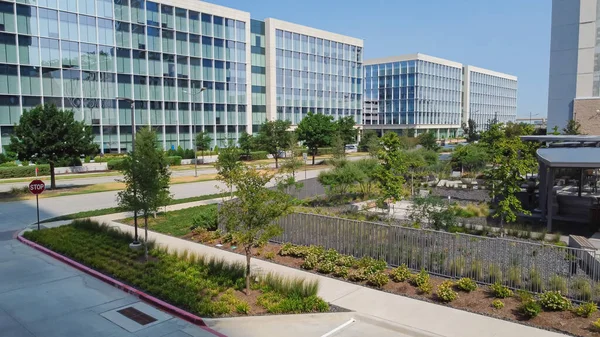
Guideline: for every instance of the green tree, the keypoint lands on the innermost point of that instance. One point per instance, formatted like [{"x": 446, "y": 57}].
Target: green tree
[
  {"x": 273, "y": 137},
  {"x": 203, "y": 141},
  {"x": 573, "y": 128},
  {"x": 470, "y": 157},
  {"x": 345, "y": 128},
  {"x": 366, "y": 175},
  {"x": 555, "y": 131},
  {"x": 415, "y": 163},
  {"x": 246, "y": 143},
  {"x": 291, "y": 165},
  {"x": 250, "y": 217},
  {"x": 146, "y": 178},
  {"x": 46, "y": 134},
  {"x": 369, "y": 142},
  {"x": 510, "y": 162},
  {"x": 228, "y": 163},
  {"x": 390, "y": 173},
  {"x": 339, "y": 180},
  {"x": 470, "y": 130},
  {"x": 338, "y": 148},
  {"x": 428, "y": 141},
  {"x": 433, "y": 212},
  {"x": 518, "y": 129},
  {"x": 316, "y": 130}
]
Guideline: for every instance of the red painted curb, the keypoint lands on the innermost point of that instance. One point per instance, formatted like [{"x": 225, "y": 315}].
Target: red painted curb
[{"x": 122, "y": 286}]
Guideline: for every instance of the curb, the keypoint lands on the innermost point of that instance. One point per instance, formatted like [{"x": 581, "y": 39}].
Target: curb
[{"x": 124, "y": 287}]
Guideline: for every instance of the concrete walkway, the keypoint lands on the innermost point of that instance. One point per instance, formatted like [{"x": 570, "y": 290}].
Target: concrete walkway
[{"x": 412, "y": 314}]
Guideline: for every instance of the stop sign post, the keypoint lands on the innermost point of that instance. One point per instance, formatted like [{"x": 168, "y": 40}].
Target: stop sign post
[{"x": 37, "y": 187}]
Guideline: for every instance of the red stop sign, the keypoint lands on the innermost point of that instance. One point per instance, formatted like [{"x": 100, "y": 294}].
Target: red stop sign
[{"x": 37, "y": 186}]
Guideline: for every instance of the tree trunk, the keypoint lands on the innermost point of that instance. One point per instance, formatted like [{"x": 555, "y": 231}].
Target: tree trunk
[
  {"x": 276, "y": 160},
  {"x": 146, "y": 236},
  {"x": 52, "y": 177},
  {"x": 313, "y": 158},
  {"x": 248, "y": 256}
]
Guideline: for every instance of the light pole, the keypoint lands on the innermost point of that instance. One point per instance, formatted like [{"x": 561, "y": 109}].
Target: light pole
[
  {"x": 191, "y": 93},
  {"x": 530, "y": 116},
  {"x": 136, "y": 242}
]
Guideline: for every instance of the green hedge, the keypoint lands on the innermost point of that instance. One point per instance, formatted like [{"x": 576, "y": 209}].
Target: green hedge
[
  {"x": 324, "y": 150},
  {"x": 116, "y": 164},
  {"x": 174, "y": 160},
  {"x": 23, "y": 171},
  {"x": 9, "y": 164},
  {"x": 108, "y": 157}
]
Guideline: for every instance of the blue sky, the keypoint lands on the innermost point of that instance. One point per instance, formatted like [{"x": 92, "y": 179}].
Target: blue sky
[{"x": 510, "y": 36}]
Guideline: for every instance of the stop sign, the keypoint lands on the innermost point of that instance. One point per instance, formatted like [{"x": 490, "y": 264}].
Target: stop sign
[{"x": 37, "y": 186}]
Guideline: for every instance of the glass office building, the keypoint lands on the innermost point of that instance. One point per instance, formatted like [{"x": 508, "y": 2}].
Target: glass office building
[
  {"x": 413, "y": 94},
  {"x": 259, "y": 73},
  {"x": 83, "y": 54},
  {"x": 315, "y": 71},
  {"x": 489, "y": 96}
]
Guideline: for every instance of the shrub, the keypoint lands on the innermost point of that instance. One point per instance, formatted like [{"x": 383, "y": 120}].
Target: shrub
[
  {"x": 269, "y": 255},
  {"x": 310, "y": 262},
  {"x": 400, "y": 274},
  {"x": 422, "y": 282},
  {"x": 116, "y": 164},
  {"x": 340, "y": 271},
  {"x": 500, "y": 291},
  {"x": 23, "y": 171},
  {"x": 596, "y": 325},
  {"x": 554, "y": 301},
  {"x": 582, "y": 289},
  {"x": 530, "y": 309},
  {"x": 371, "y": 265},
  {"x": 524, "y": 296},
  {"x": 174, "y": 160},
  {"x": 325, "y": 267},
  {"x": 289, "y": 249},
  {"x": 445, "y": 292},
  {"x": 346, "y": 261},
  {"x": 207, "y": 218},
  {"x": 557, "y": 283},
  {"x": 330, "y": 255},
  {"x": 259, "y": 155},
  {"x": 378, "y": 279},
  {"x": 357, "y": 275},
  {"x": 586, "y": 309},
  {"x": 291, "y": 286},
  {"x": 497, "y": 304},
  {"x": 494, "y": 274},
  {"x": 466, "y": 284},
  {"x": 9, "y": 164}
]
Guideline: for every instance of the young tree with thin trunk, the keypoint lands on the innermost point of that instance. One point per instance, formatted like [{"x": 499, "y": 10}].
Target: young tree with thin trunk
[
  {"x": 146, "y": 179},
  {"x": 228, "y": 162},
  {"x": 390, "y": 173},
  {"x": 48, "y": 135},
  {"x": 291, "y": 165},
  {"x": 203, "y": 141},
  {"x": 251, "y": 216},
  {"x": 316, "y": 130},
  {"x": 247, "y": 143}
]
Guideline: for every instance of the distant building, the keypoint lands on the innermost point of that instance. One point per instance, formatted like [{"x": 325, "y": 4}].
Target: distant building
[{"x": 423, "y": 93}]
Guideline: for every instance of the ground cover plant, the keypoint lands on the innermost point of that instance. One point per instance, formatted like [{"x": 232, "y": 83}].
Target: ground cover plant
[{"x": 206, "y": 287}]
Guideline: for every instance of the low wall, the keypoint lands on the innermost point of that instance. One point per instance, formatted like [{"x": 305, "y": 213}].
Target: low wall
[{"x": 87, "y": 167}]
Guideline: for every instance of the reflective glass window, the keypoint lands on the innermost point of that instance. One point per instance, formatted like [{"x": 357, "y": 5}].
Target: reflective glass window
[
  {"x": 123, "y": 60},
  {"x": 168, "y": 41},
  {"x": 89, "y": 56},
  {"x": 138, "y": 36},
  {"x": 154, "y": 64},
  {"x": 105, "y": 32},
  {"x": 48, "y": 23},
  {"x": 194, "y": 22},
  {"x": 167, "y": 19},
  {"x": 152, "y": 14},
  {"x": 219, "y": 26},
  {"x": 139, "y": 62},
  {"x": 106, "y": 58},
  {"x": 68, "y": 26},
  {"x": 7, "y": 17},
  {"x": 70, "y": 54},
  {"x": 123, "y": 34},
  {"x": 87, "y": 28},
  {"x": 105, "y": 9},
  {"x": 153, "y": 39},
  {"x": 122, "y": 10},
  {"x": 51, "y": 84},
  {"x": 29, "y": 50},
  {"x": 8, "y": 48},
  {"x": 9, "y": 77},
  {"x": 86, "y": 7},
  {"x": 27, "y": 22},
  {"x": 31, "y": 81},
  {"x": 207, "y": 24},
  {"x": 138, "y": 13},
  {"x": 181, "y": 19},
  {"x": 195, "y": 45}
]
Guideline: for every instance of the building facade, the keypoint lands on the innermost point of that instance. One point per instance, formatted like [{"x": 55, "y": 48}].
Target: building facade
[
  {"x": 574, "y": 86},
  {"x": 311, "y": 70},
  {"x": 489, "y": 97},
  {"x": 417, "y": 93}
]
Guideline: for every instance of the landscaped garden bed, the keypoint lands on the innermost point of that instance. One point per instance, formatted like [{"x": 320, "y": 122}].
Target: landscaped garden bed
[{"x": 202, "y": 286}]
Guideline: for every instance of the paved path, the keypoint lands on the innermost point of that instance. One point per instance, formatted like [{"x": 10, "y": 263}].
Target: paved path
[
  {"x": 19, "y": 214},
  {"x": 42, "y": 297},
  {"x": 417, "y": 315}
]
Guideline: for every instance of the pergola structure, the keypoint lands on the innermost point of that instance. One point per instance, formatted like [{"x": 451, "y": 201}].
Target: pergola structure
[{"x": 564, "y": 151}]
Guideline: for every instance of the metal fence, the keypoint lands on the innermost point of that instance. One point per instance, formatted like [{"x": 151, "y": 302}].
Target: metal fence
[{"x": 525, "y": 265}]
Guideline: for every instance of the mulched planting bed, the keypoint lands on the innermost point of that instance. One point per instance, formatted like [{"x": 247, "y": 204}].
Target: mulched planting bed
[{"x": 478, "y": 301}]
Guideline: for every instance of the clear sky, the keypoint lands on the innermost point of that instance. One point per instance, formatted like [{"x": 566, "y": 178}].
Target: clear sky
[{"x": 510, "y": 36}]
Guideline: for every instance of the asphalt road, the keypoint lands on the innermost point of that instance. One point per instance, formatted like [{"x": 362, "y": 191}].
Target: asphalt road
[{"x": 19, "y": 214}]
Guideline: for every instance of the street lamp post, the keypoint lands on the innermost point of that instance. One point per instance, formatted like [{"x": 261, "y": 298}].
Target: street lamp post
[
  {"x": 191, "y": 93},
  {"x": 530, "y": 116},
  {"x": 136, "y": 242}
]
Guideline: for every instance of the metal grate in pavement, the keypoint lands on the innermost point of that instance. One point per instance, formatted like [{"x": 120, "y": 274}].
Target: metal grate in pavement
[{"x": 137, "y": 316}]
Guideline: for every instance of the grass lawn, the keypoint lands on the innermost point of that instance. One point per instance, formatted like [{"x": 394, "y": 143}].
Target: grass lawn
[
  {"x": 205, "y": 287},
  {"x": 112, "y": 210},
  {"x": 176, "y": 223},
  {"x": 61, "y": 177}
]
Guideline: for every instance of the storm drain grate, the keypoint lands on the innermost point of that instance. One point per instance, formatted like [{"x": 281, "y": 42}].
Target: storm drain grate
[{"x": 137, "y": 316}]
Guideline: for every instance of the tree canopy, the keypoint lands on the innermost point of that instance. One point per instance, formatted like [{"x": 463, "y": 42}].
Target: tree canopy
[
  {"x": 470, "y": 130},
  {"x": 428, "y": 141},
  {"x": 316, "y": 130},
  {"x": 573, "y": 128},
  {"x": 390, "y": 173},
  {"x": 247, "y": 143},
  {"x": 274, "y": 137},
  {"x": 203, "y": 141},
  {"x": 46, "y": 134},
  {"x": 345, "y": 129}
]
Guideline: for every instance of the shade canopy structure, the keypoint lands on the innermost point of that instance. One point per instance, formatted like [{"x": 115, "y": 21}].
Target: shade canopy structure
[
  {"x": 562, "y": 138},
  {"x": 578, "y": 157}
]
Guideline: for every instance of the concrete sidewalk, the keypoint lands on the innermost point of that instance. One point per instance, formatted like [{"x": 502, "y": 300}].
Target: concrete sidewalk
[{"x": 413, "y": 314}]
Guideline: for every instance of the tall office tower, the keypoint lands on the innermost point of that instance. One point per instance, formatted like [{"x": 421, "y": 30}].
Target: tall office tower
[{"x": 574, "y": 87}]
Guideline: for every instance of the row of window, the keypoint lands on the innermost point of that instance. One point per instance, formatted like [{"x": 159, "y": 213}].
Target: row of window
[
  {"x": 296, "y": 114},
  {"x": 311, "y": 45},
  {"x": 408, "y": 67},
  {"x": 148, "y": 13},
  {"x": 479, "y": 78},
  {"x": 422, "y": 80},
  {"x": 485, "y": 89},
  {"x": 306, "y": 62},
  {"x": 413, "y": 118}
]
